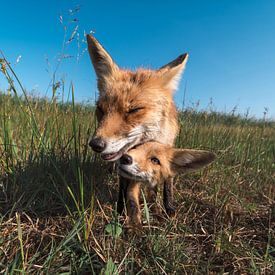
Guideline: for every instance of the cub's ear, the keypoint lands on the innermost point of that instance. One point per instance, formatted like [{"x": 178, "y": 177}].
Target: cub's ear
[
  {"x": 171, "y": 73},
  {"x": 102, "y": 61},
  {"x": 185, "y": 160}
]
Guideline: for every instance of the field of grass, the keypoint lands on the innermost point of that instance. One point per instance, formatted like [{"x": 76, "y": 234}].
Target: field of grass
[{"x": 57, "y": 198}]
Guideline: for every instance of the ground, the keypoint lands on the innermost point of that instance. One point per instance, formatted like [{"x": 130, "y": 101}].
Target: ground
[{"x": 57, "y": 198}]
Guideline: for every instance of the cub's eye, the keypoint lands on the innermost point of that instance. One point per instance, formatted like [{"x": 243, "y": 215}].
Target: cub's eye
[
  {"x": 134, "y": 110},
  {"x": 155, "y": 160}
]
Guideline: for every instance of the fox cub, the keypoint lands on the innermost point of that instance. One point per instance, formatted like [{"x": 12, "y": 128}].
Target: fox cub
[{"x": 154, "y": 163}]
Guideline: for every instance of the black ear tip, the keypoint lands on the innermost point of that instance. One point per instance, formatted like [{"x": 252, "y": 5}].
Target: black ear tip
[
  {"x": 91, "y": 39},
  {"x": 211, "y": 156},
  {"x": 183, "y": 57}
]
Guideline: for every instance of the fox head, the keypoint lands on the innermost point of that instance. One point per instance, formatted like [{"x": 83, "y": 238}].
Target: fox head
[
  {"x": 133, "y": 106},
  {"x": 153, "y": 162}
]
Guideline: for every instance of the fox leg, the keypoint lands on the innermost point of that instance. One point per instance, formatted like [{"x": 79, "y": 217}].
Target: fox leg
[
  {"x": 133, "y": 208},
  {"x": 122, "y": 194},
  {"x": 168, "y": 197},
  {"x": 152, "y": 199}
]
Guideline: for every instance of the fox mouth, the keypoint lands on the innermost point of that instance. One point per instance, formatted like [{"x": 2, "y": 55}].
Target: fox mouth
[
  {"x": 125, "y": 173},
  {"x": 117, "y": 155},
  {"x": 112, "y": 156}
]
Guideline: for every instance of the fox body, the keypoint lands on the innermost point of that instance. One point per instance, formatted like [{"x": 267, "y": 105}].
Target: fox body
[
  {"x": 154, "y": 163},
  {"x": 133, "y": 107}
]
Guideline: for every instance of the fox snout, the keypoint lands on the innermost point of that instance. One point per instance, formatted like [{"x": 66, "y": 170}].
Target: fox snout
[
  {"x": 98, "y": 144},
  {"x": 126, "y": 159},
  {"x": 110, "y": 150}
]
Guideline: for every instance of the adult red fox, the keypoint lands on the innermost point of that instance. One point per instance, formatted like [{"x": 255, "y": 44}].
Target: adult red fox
[
  {"x": 133, "y": 107},
  {"x": 154, "y": 163}
]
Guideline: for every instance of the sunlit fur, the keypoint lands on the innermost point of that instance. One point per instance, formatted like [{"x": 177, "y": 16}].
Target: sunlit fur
[
  {"x": 171, "y": 162},
  {"x": 150, "y": 92}
]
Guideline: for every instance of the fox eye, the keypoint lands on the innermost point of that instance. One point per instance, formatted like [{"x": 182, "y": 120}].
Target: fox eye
[
  {"x": 155, "y": 160},
  {"x": 134, "y": 110}
]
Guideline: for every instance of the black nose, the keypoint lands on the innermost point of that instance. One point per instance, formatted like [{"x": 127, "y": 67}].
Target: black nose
[
  {"x": 126, "y": 159},
  {"x": 97, "y": 144}
]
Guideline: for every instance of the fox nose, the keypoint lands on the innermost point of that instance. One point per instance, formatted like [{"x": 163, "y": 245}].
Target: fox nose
[
  {"x": 126, "y": 160},
  {"x": 98, "y": 144}
]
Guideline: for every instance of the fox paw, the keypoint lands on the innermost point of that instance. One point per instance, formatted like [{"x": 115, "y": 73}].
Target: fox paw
[
  {"x": 133, "y": 228},
  {"x": 171, "y": 212}
]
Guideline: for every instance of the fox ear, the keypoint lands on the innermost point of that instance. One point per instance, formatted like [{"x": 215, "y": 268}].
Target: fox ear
[
  {"x": 171, "y": 73},
  {"x": 102, "y": 61},
  {"x": 185, "y": 160}
]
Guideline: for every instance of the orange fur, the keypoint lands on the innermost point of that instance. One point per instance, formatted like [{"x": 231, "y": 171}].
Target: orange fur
[
  {"x": 162, "y": 161},
  {"x": 150, "y": 92},
  {"x": 133, "y": 107},
  {"x": 155, "y": 163}
]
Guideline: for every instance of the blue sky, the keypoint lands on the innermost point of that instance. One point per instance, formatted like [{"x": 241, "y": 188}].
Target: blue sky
[{"x": 231, "y": 46}]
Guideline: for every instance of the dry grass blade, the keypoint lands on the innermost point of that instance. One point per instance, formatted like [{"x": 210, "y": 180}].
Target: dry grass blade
[{"x": 56, "y": 196}]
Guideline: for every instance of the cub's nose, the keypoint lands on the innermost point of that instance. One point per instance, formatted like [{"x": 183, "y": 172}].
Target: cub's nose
[
  {"x": 98, "y": 144},
  {"x": 126, "y": 160}
]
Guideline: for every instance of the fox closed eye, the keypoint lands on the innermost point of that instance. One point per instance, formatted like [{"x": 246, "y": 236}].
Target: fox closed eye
[{"x": 134, "y": 110}]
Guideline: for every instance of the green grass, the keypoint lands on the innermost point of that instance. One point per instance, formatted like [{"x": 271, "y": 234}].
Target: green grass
[{"x": 57, "y": 197}]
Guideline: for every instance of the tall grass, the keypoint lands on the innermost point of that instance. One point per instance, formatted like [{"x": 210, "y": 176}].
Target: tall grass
[{"x": 57, "y": 198}]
